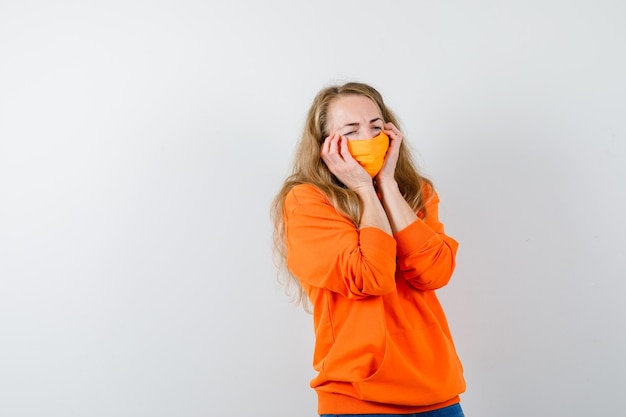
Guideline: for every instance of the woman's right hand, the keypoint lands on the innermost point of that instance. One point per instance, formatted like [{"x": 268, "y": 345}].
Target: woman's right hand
[{"x": 340, "y": 162}]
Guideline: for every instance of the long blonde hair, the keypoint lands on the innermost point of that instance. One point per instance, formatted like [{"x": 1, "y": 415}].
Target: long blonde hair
[{"x": 308, "y": 168}]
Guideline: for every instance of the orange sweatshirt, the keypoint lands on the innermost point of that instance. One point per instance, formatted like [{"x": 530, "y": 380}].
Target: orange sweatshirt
[{"x": 382, "y": 340}]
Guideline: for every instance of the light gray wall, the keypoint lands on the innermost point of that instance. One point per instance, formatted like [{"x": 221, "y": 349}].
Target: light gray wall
[{"x": 142, "y": 142}]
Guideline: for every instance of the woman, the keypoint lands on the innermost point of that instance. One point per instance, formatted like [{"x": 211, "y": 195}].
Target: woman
[{"x": 357, "y": 228}]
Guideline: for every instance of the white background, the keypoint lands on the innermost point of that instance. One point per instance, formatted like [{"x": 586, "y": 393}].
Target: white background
[{"x": 142, "y": 142}]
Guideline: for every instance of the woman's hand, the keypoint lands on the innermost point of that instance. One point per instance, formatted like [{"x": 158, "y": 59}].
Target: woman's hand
[
  {"x": 389, "y": 167},
  {"x": 399, "y": 213},
  {"x": 340, "y": 162}
]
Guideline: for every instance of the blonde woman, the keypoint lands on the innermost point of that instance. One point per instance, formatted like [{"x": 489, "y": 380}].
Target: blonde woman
[{"x": 357, "y": 231}]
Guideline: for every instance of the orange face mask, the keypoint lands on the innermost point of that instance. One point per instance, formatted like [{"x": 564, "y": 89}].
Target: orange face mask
[{"x": 370, "y": 153}]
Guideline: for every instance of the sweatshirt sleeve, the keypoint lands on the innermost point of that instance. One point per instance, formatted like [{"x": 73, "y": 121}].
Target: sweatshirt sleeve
[
  {"x": 426, "y": 255},
  {"x": 326, "y": 250}
]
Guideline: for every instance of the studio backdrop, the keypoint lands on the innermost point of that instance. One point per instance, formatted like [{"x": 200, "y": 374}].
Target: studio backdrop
[{"x": 141, "y": 144}]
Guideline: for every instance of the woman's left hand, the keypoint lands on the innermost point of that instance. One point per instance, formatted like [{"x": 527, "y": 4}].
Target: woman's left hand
[{"x": 389, "y": 167}]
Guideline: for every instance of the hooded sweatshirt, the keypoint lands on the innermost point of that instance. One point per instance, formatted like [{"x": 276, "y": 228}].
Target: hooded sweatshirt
[{"x": 382, "y": 342}]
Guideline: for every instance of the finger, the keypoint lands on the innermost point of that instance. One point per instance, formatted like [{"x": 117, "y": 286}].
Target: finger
[
  {"x": 325, "y": 145},
  {"x": 345, "y": 152},
  {"x": 343, "y": 148},
  {"x": 334, "y": 144},
  {"x": 393, "y": 131},
  {"x": 328, "y": 144},
  {"x": 391, "y": 126},
  {"x": 331, "y": 154}
]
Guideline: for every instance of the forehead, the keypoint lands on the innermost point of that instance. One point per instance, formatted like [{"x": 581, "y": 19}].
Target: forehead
[{"x": 351, "y": 109}]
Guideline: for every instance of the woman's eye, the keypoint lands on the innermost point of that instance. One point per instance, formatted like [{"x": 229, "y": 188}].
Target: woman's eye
[
  {"x": 350, "y": 133},
  {"x": 378, "y": 128}
]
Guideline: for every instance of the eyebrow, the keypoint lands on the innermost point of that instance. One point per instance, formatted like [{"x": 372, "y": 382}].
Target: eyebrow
[{"x": 357, "y": 123}]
